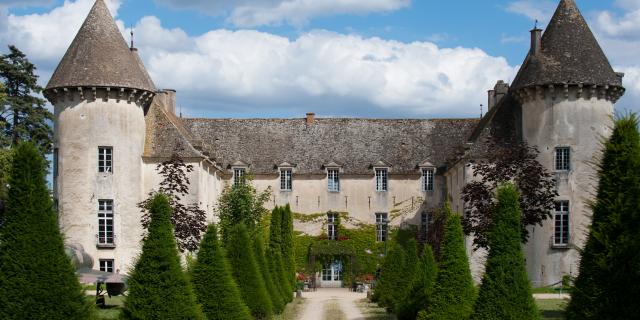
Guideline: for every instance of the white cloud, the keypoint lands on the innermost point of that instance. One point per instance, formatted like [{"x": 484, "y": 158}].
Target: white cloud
[
  {"x": 251, "y": 13},
  {"x": 540, "y": 10},
  {"x": 25, "y": 3}
]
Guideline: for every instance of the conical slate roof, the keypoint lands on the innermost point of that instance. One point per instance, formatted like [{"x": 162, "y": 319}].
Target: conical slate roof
[
  {"x": 99, "y": 57},
  {"x": 570, "y": 54}
]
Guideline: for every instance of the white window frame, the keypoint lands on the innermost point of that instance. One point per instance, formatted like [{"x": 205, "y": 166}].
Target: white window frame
[
  {"x": 562, "y": 159},
  {"x": 106, "y": 229},
  {"x": 382, "y": 179},
  {"x": 286, "y": 179},
  {"x": 332, "y": 228},
  {"x": 239, "y": 174},
  {"x": 428, "y": 177},
  {"x": 333, "y": 179},
  {"x": 382, "y": 226},
  {"x": 561, "y": 223},
  {"x": 105, "y": 159},
  {"x": 106, "y": 264}
]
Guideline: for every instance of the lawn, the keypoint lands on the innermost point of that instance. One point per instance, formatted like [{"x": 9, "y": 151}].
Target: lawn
[{"x": 552, "y": 309}]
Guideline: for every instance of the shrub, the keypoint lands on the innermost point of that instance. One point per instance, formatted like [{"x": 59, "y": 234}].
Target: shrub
[
  {"x": 275, "y": 255},
  {"x": 396, "y": 275},
  {"x": 247, "y": 273},
  {"x": 274, "y": 293},
  {"x": 505, "y": 292},
  {"x": 421, "y": 289},
  {"x": 213, "y": 283},
  {"x": 158, "y": 288},
  {"x": 608, "y": 285},
  {"x": 37, "y": 280},
  {"x": 288, "y": 259},
  {"x": 454, "y": 293}
]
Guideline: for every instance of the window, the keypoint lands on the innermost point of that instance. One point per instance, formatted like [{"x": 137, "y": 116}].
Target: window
[
  {"x": 105, "y": 223},
  {"x": 106, "y": 265},
  {"x": 382, "y": 183},
  {"x": 333, "y": 180},
  {"x": 427, "y": 179},
  {"x": 238, "y": 175},
  {"x": 332, "y": 226},
  {"x": 424, "y": 224},
  {"x": 381, "y": 227},
  {"x": 563, "y": 159},
  {"x": 561, "y": 234},
  {"x": 105, "y": 159},
  {"x": 285, "y": 180}
]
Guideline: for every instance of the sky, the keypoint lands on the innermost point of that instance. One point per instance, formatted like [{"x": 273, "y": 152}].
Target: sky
[{"x": 337, "y": 58}]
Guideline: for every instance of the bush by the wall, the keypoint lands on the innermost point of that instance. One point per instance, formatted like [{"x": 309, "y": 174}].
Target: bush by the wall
[
  {"x": 215, "y": 288},
  {"x": 37, "y": 280},
  {"x": 158, "y": 287}
]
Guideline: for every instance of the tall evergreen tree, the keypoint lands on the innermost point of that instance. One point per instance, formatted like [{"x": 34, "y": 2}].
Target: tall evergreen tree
[
  {"x": 396, "y": 275},
  {"x": 505, "y": 292},
  {"x": 247, "y": 273},
  {"x": 215, "y": 288},
  {"x": 608, "y": 285},
  {"x": 276, "y": 296},
  {"x": 23, "y": 116},
  {"x": 158, "y": 288},
  {"x": 37, "y": 279},
  {"x": 421, "y": 290},
  {"x": 454, "y": 293},
  {"x": 288, "y": 258},
  {"x": 275, "y": 255}
]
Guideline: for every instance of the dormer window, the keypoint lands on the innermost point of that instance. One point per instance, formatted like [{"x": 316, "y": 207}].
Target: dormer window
[
  {"x": 286, "y": 179},
  {"x": 428, "y": 175},
  {"x": 239, "y": 175},
  {"x": 382, "y": 179},
  {"x": 333, "y": 180}
]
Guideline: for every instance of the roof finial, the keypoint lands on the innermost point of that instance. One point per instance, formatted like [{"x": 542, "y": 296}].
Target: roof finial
[
  {"x": 481, "y": 111},
  {"x": 131, "y": 37},
  {"x": 535, "y": 26}
]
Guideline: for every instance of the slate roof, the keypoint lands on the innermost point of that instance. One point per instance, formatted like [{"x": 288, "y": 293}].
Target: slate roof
[
  {"x": 100, "y": 57},
  {"x": 356, "y": 144},
  {"x": 167, "y": 135},
  {"x": 570, "y": 54}
]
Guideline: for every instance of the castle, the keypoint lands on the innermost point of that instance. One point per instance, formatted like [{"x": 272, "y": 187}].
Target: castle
[{"x": 112, "y": 128}]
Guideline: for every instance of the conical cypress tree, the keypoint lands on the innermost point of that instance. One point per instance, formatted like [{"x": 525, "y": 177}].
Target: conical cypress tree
[
  {"x": 392, "y": 272},
  {"x": 274, "y": 293},
  {"x": 608, "y": 285},
  {"x": 454, "y": 293},
  {"x": 37, "y": 280},
  {"x": 213, "y": 283},
  {"x": 422, "y": 287},
  {"x": 158, "y": 288},
  {"x": 288, "y": 258},
  {"x": 275, "y": 255},
  {"x": 505, "y": 292},
  {"x": 247, "y": 273}
]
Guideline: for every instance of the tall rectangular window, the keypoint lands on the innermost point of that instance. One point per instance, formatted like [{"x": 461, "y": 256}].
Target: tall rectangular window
[
  {"x": 561, "y": 234},
  {"x": 382, "y": 224},
  {"x": 563, "y": 159},
  {"x": 105, "y": 223},
  {"x": 427, "y": 179},
  {"x": 382, "y": 179},
  {"x": 333, "y": 180},
  {"x": 105, "y": 159},
  {"x": 286, "y": 183},
  {"x": 332, "y": 226},
  {"x": 424, "y": 224},
  {"x": 106, "y": 265},
  {"x": 238, "y": 175}
]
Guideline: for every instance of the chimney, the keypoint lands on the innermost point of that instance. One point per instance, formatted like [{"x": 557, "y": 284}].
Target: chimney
[
  {"x": 499, "y": 91},
  {"x": 168, "y": 98},
  {"x": 311, "y": 117},
  {"x": 536, "y": 41}
]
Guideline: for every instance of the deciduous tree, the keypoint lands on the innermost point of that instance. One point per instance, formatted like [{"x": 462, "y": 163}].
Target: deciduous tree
[{"x": 241, "y": 203}]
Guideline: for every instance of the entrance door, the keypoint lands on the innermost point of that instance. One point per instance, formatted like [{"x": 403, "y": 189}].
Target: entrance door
[{"x": 332, "y": 275}]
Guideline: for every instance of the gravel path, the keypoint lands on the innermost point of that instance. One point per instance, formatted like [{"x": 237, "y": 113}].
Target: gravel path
[{"x": 346, "y": 300}]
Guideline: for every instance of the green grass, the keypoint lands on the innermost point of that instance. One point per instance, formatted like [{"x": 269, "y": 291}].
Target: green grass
[
  {"x": 552, "y": 309},
  {"x": 292, "y": 310},
  {"x": 112, "y": 308},
  {"x": 371, "y": 311},
  {"x": 549, "y": 290}
]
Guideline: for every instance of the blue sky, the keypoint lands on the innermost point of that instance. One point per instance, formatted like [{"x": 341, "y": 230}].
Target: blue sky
[{"x": 282, "y": 58}]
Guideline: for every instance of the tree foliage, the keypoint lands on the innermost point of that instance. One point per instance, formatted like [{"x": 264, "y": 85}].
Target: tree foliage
[
  {"x": 288, "y": 258},
  {"x": 6, "y": 156},
  {"x": 420, "y": 292},
  {"x": 396, "y": 274},
  {"x": 158, "y": 288},
  {"x": 215, "y": 288},
  {"x": 37, "y": 279},
  {"x": 23, "y": 116},
  {"x": 508, "y": 160},
  {"x": 454, "y": 293},
  {"x": 274, "y": 293},
  {"x": 246, "y": 272},
  {"x": 189, "y": 221},
  {"x": 276, "y": 263},
  {"x": 608, "y": 285},
  {"x": 505, "y": 292},
  {"x": 241, "y": 203}
]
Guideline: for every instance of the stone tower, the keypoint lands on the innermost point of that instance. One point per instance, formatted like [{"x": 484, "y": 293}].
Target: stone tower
[
  {"x": 566, "y": 89},
  {"x": 100, "y": 91}
]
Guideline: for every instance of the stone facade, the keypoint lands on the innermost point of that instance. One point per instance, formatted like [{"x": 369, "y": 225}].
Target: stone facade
[{"x": 563, "y": 97}]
